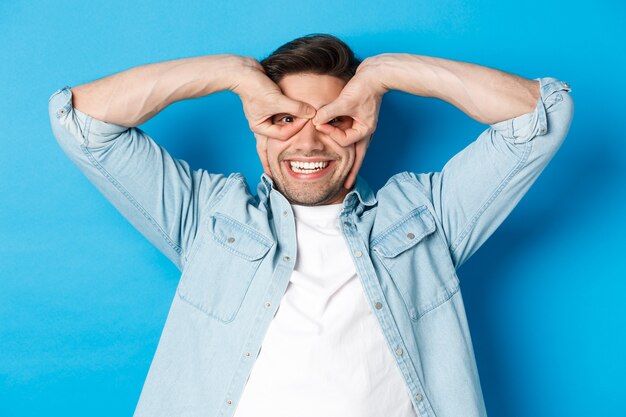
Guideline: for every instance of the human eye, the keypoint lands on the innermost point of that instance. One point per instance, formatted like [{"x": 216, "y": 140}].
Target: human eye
[
  {"x": 339, "y": 120},
  {"x": 285, "y": 118}
]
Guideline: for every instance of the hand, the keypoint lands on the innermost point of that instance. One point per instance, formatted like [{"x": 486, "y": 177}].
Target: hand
[
  {"x": 360, "y": 99},
  {"x": 262, "y": 99}
]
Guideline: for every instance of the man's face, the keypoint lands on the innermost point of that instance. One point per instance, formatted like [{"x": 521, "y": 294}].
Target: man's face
[{"x": 310, "y": 168}]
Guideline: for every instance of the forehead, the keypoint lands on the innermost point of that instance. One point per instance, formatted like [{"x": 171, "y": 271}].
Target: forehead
[{"x": 314, "y": 89}]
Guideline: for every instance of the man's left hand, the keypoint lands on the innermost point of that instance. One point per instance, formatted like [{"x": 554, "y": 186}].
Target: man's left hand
[{"x": 360, "y": 99}]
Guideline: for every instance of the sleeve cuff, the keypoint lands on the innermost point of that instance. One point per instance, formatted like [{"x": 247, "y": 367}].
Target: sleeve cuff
[
  {"x": 523, "y": 128},
  {"x": 94, "y": 132}
]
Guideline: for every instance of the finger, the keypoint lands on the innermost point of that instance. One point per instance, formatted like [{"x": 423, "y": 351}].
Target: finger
[
  {"x": 356, "y": 133},
  {"x": 297, "y": 108},
  {"x": 328, "y": 112},
  {"x": 360, "y": 150},
  {"x": 335, "y": 133},
  {"x": 344, "y": 137},
  {"x": 281, "y": 132}
]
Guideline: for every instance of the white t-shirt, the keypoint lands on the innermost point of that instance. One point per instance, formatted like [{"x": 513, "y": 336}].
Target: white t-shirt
[{"x": 324, "y": 354}]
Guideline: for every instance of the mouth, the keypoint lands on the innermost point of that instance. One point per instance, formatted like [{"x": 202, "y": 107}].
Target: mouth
[{"x": 308, "y": 170}]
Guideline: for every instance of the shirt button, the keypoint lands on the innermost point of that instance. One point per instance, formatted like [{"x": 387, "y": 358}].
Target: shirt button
[
  {"x": 410, "y": 236},
  {"x": 229, "y": 402},
  {"x": 230, "y": 239},
  {"x": 399, "y": 352},
  {"x": 248, "y": 354},
  {"x": 358, "y": 253},
  {"x": 378, "y": 305},
  {"x": 418, "y": 397},
  {"x": 285, "y": 213},
  {"x": 286, "y": 258},
  {"x": 268, "y": 304}
]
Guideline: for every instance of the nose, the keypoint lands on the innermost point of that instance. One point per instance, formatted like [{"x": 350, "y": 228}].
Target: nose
[{"x": 308, "y": 138}]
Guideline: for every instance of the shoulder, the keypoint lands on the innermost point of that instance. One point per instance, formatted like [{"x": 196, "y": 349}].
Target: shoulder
[{"x": 406, "y": 182}]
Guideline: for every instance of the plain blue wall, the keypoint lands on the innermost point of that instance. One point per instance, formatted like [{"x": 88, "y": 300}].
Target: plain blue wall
[{"x": 83, "y": 296}]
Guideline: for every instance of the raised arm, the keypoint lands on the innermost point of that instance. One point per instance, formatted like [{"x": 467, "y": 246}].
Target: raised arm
[
  {"x": 130, "y": 98},
  {"x": 485, "y": 94},
  {"x": 477, "y": 189},
  {"x": 161, "y": 196}
]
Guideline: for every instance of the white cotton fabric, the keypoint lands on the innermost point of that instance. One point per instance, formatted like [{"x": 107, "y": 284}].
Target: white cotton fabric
[{"x": 324, "y": 353}]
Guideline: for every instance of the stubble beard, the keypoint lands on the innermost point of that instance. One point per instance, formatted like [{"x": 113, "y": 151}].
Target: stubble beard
[
  {"x": 310, "y": 194},
  {"x": 314, "y": 193}
]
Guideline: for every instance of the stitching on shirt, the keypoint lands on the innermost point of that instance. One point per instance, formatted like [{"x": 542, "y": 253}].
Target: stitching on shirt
[
  {"x": 237, "y": 177},
  {"x": 413, "y": 213},
  {"x": 87, "y": 131},
  {"x": 246, "y": 229},
  {"x": 208, "y": 205},
  {"x": 495, "y": 193},
  {"x": 420, "y": 311},
  {"x": 446, "y": 297},
  {"x": 409, "y": 178},
  {"x": 132, "y": 200}
]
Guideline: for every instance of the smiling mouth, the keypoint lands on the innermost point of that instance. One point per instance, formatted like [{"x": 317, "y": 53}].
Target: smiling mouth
[{"x": 308, "y": 169}]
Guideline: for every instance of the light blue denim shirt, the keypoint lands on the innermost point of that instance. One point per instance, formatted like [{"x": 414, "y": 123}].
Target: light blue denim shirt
[{"x": 237, "y": 250}]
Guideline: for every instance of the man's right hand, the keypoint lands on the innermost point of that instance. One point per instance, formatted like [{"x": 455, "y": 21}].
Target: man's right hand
[{"x": 262, "y": 99}]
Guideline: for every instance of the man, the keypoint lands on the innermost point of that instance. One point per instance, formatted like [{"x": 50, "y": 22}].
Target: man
[{"x": 371, "y": 320}]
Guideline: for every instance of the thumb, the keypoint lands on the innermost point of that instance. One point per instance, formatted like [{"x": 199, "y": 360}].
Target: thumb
[
  {"x": 296, "y": 108},
  {"x": 329, "y": 112}
]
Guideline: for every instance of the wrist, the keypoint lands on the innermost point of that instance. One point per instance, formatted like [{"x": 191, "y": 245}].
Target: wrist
[
  {"x": 397, "y": 71},
  {"x": 198, "y": 76},
  {"x": 243, "y": 68},
  {"x": 371, "y": 69},
  {"x": 375, "y": 70}
]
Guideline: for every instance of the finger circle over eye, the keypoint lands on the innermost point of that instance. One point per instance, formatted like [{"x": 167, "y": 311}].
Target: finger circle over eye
[{"x": 321, "y": 117}]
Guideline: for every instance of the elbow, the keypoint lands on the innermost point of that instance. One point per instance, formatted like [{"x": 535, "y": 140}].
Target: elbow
[
  {"x": 67, "y": 132},
  {"x": 561, "y": 115}
]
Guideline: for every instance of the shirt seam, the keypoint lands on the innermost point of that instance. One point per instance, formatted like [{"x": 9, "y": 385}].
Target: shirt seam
[
  {"x": 528, "y": 147},
  {"x": 207, "y": 207},
  {"x": 130, "y": 198}
]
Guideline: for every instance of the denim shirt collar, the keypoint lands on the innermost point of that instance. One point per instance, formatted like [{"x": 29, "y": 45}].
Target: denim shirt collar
[{"x": 360, "y": 192}]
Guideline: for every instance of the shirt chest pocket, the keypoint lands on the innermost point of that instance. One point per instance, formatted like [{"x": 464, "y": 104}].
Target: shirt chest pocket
[
  {"x": 417, "y": 261},
  {"x": 220, "y": 269}
]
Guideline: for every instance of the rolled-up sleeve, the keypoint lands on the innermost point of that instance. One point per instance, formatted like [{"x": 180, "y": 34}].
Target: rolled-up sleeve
[
  {"x": 479, "y": 187},
  {"x": 159, "y": 195}
]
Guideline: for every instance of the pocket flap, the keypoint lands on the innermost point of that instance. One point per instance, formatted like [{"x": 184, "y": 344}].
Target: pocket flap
[
  {"x": 238, "y": 238},
  {"x": 405, "y": 233}
]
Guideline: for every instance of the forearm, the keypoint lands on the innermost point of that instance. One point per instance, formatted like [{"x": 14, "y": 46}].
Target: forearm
[
  {"x": 131, "y": 97},
  {"x": 485, "y": 94}
]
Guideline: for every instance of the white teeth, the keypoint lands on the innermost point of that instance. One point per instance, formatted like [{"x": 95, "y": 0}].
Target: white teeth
[{"x": 307, "y": 167}]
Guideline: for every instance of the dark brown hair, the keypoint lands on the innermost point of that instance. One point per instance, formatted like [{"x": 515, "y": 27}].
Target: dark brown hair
[{"x": 317, "y": 53}]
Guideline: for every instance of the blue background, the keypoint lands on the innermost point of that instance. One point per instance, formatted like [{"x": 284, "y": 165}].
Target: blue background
[{"x": 83, "y": 296}]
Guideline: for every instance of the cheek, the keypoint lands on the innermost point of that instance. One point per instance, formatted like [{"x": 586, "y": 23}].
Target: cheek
[
  {"x": 275, "y": 148},
  {"x": 351, "y": 157},
  {"x": 273, "y": 151}
]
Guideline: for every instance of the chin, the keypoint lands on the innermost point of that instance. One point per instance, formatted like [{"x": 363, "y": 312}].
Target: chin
[
  {"x": 310, "y": 193},
  {"x": 312, "y": 197}
]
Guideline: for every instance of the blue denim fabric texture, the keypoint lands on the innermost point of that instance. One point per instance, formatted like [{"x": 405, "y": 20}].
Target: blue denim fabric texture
[{"x": 236, "y": 251}]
